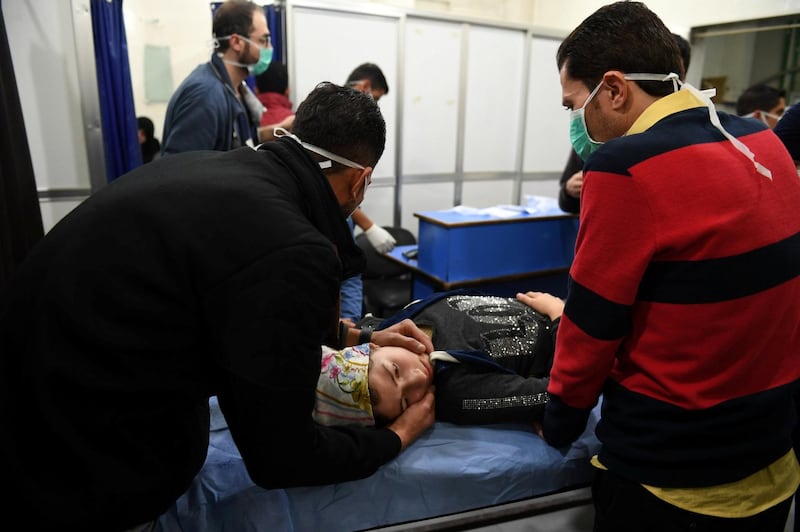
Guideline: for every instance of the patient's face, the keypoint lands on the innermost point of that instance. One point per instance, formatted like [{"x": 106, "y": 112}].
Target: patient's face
[{"x": 397, "y": 378}]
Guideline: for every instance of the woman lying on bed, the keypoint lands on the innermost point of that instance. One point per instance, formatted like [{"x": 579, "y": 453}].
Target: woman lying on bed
[{"x": 492, "y": 358}]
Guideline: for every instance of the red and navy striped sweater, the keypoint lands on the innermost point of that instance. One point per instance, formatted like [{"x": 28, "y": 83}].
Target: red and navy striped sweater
[{"x": 684, "y": 304}]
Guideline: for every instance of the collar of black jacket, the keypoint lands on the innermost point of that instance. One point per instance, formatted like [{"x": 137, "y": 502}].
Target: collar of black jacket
[{"x": 321, "y": 206}]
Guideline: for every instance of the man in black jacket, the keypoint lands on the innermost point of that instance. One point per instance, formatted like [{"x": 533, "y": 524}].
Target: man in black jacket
[{"x": 200, "y": 274}]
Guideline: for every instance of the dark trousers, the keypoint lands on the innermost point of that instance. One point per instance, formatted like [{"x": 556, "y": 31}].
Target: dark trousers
[{"x": 622, "y": 505}]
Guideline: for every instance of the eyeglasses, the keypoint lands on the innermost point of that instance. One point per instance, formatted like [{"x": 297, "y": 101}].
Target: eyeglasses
[
  {"x": 264, "y": 40},
  {"x": 367, "y": 182}
]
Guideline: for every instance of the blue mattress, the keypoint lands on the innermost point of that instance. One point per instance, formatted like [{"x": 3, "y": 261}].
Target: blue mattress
[{"x": 450, "y": 469}]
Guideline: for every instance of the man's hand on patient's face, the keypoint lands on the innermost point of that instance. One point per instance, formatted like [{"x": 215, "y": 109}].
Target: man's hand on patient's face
[{"x": 417, "y": 418}]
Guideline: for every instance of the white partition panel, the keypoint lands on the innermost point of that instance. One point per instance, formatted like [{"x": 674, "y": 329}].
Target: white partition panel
[
  {"x": 43, "y": 51},
  {"x": 53, "y": 210},
  {"x": 542, "y": 187},
  {"x": 424, "y": 197},
  {"x": 547, "y": 143},
  {"x": 327, "y": 45},
  {"x": 379, "y": 205},
  {"x": 495, "y": 69},
  {"x": 430, "y": 103},
  {"x": 482, "y": 194}
]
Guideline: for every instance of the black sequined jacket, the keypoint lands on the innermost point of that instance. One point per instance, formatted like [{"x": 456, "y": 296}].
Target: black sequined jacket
[{"x": 504, "y": 350}]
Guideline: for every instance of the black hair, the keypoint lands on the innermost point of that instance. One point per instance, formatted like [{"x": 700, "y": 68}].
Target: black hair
[
  {"x": 344, "y": 121},
  {"x": 233, "y": 16},
  {"x": 373, "y": 73},
  {"x": 685, "y": 49},
  {"x": 758, "y": 98},
  {"x": 151, "y": 147},
  {"x": 624, "y": 36},
  {"x": 147, "y": 127},
  {"x": 274, "y": 79}
]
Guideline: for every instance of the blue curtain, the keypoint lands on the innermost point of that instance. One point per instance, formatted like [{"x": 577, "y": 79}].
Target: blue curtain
[
  {"x": 117, "y": 111},
  {"x": 274, "y": 15}
]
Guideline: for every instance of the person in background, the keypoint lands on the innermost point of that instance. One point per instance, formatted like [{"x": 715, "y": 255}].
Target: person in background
[
  {"x": 571, "y": 181},
  {"x": 671, "y": 314},
  {"x": 570, "y": 184},
  {"x": 788, "y": 130},
  {"x": 172, "y": 284},
  {"x": 763, "y": 103},
  {"x": 685, "y": 50},
  {"x": 151, "y": 148},
  {"x": 213, "y": 108},
  {"x": 272, "y": 90},
  {"x": 369, "y": 79}
]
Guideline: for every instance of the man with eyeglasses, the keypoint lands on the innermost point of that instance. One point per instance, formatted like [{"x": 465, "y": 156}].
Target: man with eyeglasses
[
  {"x": 214, "y": 109},
  {"x": 762, "y": 102}
]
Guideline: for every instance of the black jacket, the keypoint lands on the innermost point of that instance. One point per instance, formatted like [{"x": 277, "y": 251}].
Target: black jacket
[
  {"x": 199, "y": 274},
  {"x": 566, "y": 202},
  {"x": 505, "y": 352}
]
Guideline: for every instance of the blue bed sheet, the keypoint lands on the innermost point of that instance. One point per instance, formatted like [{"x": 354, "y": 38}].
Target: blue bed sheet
[{"x": 450, "y": 469}]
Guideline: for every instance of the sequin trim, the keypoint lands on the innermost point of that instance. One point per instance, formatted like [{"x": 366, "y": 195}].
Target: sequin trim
[
  {"x": 514, "y": 401},
  {"x": 521, "y": 330}
]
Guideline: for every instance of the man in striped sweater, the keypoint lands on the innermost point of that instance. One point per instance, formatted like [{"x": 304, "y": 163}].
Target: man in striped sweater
[{"x": 684, "y": 300}]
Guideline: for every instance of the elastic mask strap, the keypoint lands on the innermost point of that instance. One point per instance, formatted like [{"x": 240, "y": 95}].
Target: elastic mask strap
[
  {"x": 234, "y": 63},
  {"x": 215, "y": 42},
  {"x": 705, "y": 97},
  {"x": 763, "y": 116},
  {"x": 281, "y": 132},
  {"x": 738, "y": 144},
  {"x": 672, "y": 76}
]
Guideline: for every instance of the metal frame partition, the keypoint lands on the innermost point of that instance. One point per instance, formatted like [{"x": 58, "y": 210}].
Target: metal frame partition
[{"x": 343, "y": 13}]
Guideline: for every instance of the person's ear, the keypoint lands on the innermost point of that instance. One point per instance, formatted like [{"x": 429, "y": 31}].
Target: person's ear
[
  {"x": 236, "y": 43},
  {"x": 618, "y": 89},
  {"x": 361, "y": 182}
]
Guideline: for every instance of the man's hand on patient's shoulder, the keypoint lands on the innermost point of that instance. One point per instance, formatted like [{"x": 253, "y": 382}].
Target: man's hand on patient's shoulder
[{"x": 404, "y": 334}]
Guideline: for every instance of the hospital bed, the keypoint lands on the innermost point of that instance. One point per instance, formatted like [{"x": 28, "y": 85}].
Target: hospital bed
[{"x": 449, "y": 471}]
